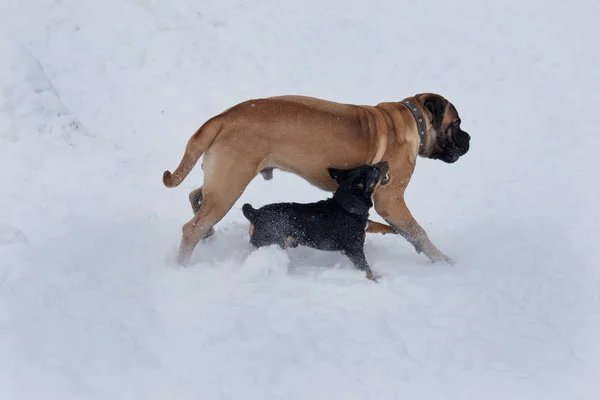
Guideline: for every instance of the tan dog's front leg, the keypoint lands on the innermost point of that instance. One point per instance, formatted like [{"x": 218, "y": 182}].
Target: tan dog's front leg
[{"x": 394, "y": 210}]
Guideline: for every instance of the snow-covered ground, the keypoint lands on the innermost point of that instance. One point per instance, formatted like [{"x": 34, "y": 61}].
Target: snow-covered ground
[{"x": 97, "y": 98}]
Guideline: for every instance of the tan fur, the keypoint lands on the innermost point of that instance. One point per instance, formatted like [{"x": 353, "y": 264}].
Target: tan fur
[
  {"x": 371, "y": 276},
  {"x": 305, "y": 136},
  {"x": 376, "y": 227}
]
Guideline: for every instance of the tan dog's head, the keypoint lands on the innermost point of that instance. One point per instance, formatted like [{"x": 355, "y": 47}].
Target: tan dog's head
[{"x": 446, "y": 140}]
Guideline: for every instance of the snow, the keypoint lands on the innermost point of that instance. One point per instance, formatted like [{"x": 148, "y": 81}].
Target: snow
[{"x": 97, "y": 99}]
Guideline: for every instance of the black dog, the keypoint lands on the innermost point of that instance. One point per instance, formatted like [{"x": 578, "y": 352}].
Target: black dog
[{"x": 335, "y": 224}]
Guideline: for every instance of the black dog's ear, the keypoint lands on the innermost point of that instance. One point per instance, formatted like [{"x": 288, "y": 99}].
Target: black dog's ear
[
  {"x": 339, "y": 175},
  {"x": 437, "y": 107}
]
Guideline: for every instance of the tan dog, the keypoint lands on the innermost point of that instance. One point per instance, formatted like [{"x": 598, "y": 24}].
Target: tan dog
[{"x": 306, "y": 136}]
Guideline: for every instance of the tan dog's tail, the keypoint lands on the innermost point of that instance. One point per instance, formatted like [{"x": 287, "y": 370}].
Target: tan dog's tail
[{"x": 196, "y": 146}]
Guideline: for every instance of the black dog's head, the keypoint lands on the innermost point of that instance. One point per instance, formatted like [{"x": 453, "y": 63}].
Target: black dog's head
[
  {"x": 356, "y": 185},
  {"x": 446, "y": 140}
]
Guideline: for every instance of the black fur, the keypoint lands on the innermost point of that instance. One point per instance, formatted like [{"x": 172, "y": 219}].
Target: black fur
[{"x": 335, "y": 224}]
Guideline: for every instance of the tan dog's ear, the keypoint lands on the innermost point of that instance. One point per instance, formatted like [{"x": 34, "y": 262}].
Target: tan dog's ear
[
  {"x": 339, "y": 175},
  {"x": 437, "y": 107}
]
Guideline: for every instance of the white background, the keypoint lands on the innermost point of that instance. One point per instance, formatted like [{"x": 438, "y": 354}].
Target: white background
[{"x": 98, "y": 98}]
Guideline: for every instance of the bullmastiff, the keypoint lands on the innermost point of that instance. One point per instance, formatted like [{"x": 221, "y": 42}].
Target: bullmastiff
[{"x": 307, "y": 136}]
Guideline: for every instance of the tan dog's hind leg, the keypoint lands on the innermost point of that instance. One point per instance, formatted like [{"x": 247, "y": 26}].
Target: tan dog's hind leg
[
  {"x": 393, "y": 209},
  {"x": 225, "y": 181}
]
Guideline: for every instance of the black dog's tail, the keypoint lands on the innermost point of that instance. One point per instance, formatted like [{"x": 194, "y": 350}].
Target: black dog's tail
[{"x": 249, "y": 212}]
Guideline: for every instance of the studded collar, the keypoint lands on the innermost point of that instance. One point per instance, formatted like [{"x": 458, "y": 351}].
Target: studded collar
[{"x": 419, "y": 118}]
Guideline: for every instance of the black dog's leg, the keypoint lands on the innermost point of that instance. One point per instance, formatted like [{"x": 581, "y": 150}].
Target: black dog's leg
[
  {"x": 359, "y": 260},
  {"x": 288, "y": 241}
]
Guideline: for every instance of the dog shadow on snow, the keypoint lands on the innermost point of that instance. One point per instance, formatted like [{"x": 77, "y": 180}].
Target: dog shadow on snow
[{"x": 230, "y": 245}]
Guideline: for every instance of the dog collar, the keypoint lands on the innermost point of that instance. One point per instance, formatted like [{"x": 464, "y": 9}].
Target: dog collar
[{"x": 416, "y": 112}]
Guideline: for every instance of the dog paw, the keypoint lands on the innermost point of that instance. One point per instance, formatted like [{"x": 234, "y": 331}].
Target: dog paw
[
  {"x": 443, "y": 259},
  {"x": 372, "y": 277},
  {"x": 183, "y": 259}
]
